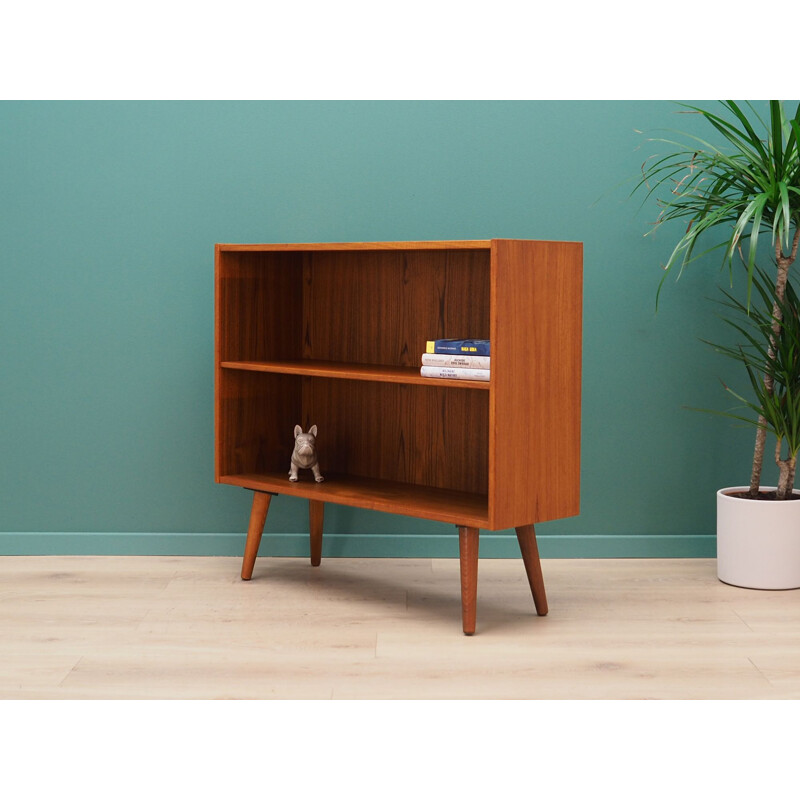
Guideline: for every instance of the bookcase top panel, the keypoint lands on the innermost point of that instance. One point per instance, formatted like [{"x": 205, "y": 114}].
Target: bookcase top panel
[{"x": 463, "y": 244}]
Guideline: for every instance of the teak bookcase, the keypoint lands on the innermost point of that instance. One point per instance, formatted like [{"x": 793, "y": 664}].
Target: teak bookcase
[{"x": 332, "y": 335}]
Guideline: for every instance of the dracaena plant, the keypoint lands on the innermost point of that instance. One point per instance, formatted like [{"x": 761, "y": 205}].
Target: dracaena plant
[
  {"x": 745, "y": 187},
  {"x": 772, "y": 363}
]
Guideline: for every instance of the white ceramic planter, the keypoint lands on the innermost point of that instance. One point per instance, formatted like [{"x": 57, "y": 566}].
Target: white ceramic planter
[{"x": 758, "y": 541}]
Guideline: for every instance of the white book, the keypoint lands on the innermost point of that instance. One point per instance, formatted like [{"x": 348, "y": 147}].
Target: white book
[
  {"x": 460, "y": 373},
  {"x": 446, "y": 360}
]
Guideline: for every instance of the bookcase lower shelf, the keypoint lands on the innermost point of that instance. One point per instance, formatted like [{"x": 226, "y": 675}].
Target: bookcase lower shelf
[{"x": 442, "y": 505}]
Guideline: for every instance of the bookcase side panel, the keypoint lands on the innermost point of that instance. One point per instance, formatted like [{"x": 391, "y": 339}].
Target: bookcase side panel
[
  {"x": 534, "y": 449},
  {"x": 218, "y": 442}
]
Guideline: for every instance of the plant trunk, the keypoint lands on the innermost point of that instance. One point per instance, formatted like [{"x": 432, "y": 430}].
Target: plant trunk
[
  {"x": 787, "y": 469},
  {"x": 758, "y": 457},
  {"x": 784, "y": 262}
]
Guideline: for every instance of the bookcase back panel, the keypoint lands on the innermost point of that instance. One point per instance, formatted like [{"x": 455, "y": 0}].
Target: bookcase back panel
[
  {"x": 426, "y": 436},
  {"x": 412, "y": 434},
  {"x": 259, "y": 298},
  {"x": 380, "y": 307},
  {"x": 257, "y": 414}
]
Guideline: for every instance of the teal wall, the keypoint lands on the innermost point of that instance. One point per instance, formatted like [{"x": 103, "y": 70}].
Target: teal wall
[{"x": 109, "y": 214}]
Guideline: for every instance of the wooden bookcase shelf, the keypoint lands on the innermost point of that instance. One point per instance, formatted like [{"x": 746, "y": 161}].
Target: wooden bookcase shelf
[
  {"x": 332, "y": 334},
  {"x": 459, "y": 508},
  {"x": 356, "y": 372}
]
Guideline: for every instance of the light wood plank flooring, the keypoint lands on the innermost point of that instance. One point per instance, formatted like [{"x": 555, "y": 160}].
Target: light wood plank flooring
[{"x": 173, "y": 627}]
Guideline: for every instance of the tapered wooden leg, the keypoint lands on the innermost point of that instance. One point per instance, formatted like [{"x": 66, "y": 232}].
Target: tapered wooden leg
[
  {"x": 468, "y": 552},
  {"x": 316, "y": 509},
  {"x": 258, "y": 516},
  {"x": 533, "y": 566}
]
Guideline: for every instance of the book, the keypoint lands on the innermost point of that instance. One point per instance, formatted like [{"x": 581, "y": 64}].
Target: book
[
  {"x": 467, "y": 347},
  {"x": 460, "y": 373},
  {"x": 445, "y": 360}
]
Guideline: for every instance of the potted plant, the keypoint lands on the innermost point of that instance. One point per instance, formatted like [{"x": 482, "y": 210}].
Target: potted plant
[
  {"x": 771, "y": 558},
  {"x": 745, "y": 188}
]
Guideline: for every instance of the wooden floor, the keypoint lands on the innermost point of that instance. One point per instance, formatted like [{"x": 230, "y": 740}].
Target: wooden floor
[{"x": 174, "y": 627}]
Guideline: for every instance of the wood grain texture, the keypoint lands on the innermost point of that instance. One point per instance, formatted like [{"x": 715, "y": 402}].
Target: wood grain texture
[
  {"x": 356, "y": 372},
  {"x": 468, "y": 558},
  {"x": 256, "y": 418},
  {"x": 361, "y": 313},
  {"x": 258, "y": 300},
  {"x": 535, "y": 402},
  {"x": 526, "y": 536},
  {"x": 316, "y": 513},
  {"x": 380, "y": 307},
  {"x": 424, "y": 435},
  {"x": 254, "y": 297},
  {"x": 170, "y": 627},
  {"x": 258, "y": 516},
  {"x": 444, "y": 505}
]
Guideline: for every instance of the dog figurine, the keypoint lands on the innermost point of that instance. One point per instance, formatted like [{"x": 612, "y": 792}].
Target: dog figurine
[{"x": 305, "y": 453}]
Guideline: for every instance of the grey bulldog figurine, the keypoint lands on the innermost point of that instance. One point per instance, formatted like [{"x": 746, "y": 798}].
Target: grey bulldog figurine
[{"x": 305, "y": 453}]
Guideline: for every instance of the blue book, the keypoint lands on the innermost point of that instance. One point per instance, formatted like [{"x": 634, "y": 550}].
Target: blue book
[{"x": 468, "y": 347}]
